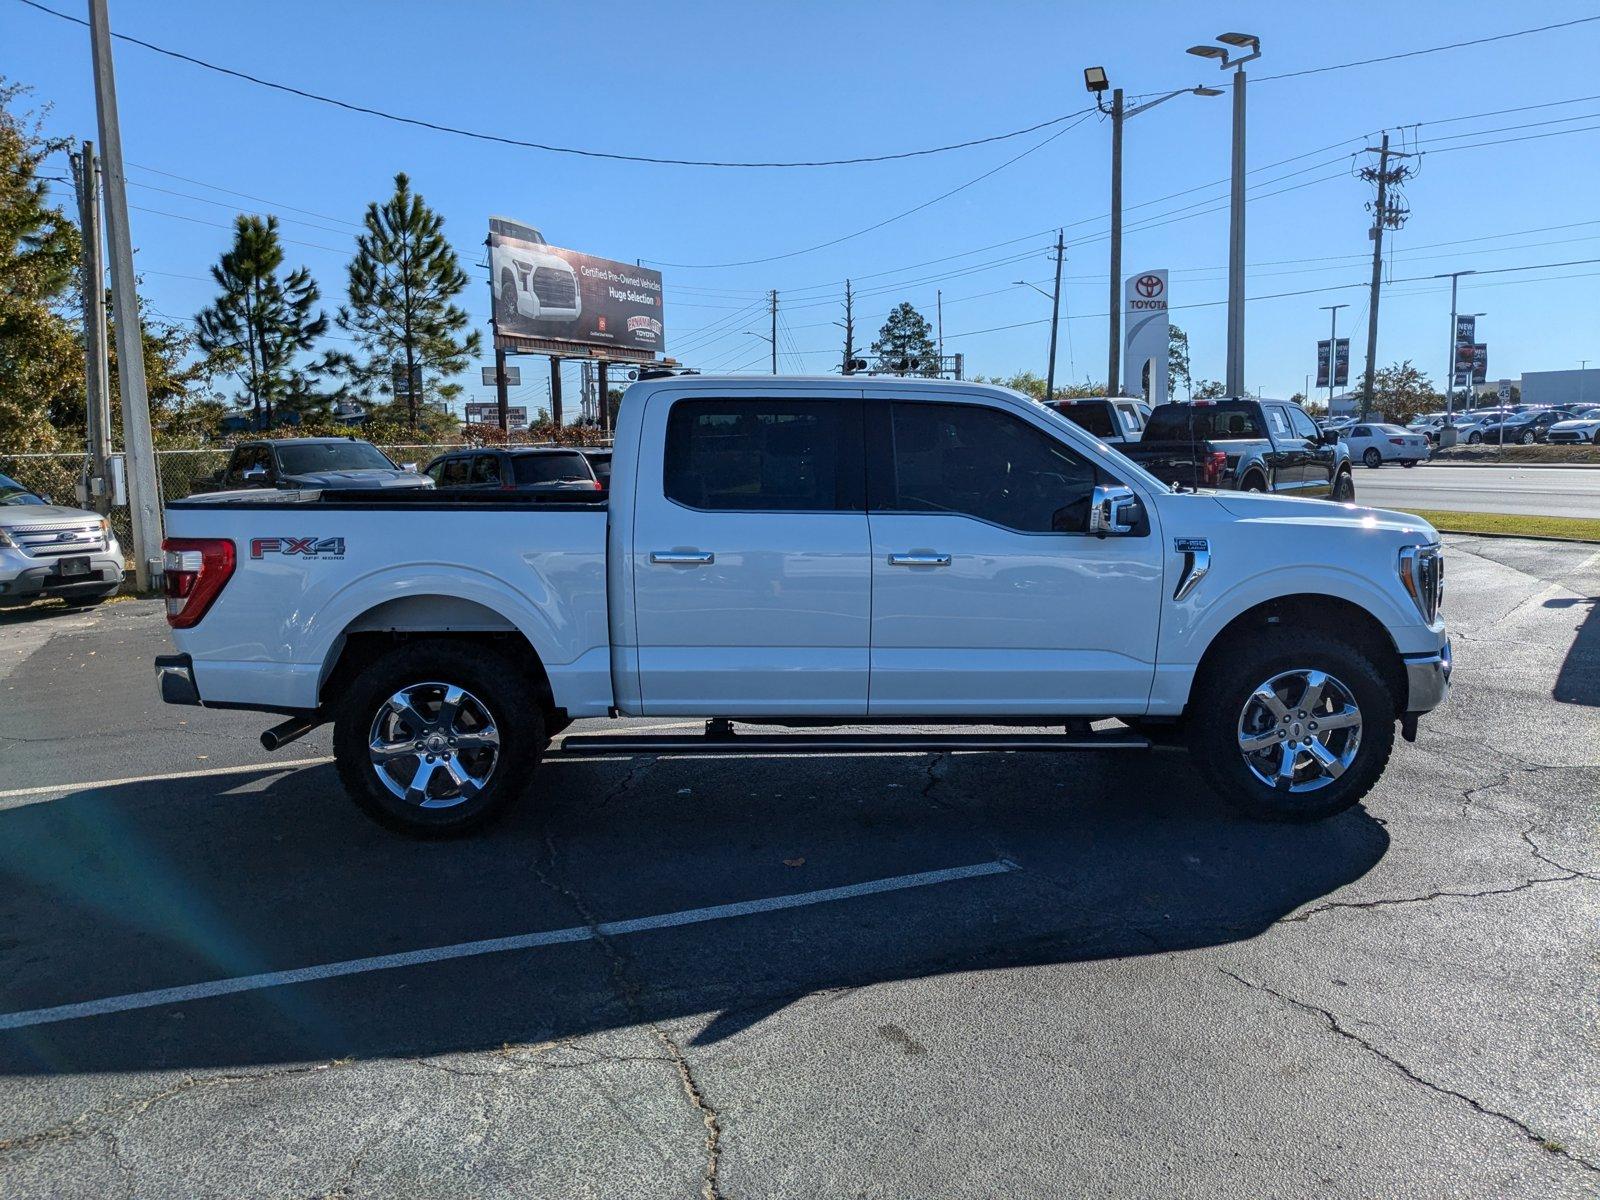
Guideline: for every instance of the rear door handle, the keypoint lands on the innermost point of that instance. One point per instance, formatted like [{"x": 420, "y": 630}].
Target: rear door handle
[
  {"x": 919, "y": 560},
  {"x": 682, "y": 557}
]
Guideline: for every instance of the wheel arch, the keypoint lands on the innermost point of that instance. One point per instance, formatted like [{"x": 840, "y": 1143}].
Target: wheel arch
[
  {"x": 1334, "y": 615},
  {"x": 428, "y": 616}
]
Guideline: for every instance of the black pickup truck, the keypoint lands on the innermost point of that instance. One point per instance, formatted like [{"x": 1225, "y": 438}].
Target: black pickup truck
[{"x": 1246, "y": 446}]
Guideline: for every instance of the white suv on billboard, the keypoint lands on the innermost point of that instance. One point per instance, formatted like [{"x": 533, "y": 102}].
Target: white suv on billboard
[{"x": 534, "y": 283}]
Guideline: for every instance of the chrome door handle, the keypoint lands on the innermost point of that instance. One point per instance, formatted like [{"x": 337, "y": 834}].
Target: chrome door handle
[
  {"x": 682, "y": 557},
  {"x": 919, "y": 560}
]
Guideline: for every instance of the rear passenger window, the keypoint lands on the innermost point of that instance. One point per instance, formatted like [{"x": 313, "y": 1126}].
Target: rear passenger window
[
  {"x": 454, "y": 473},
  {"x": 983, "y": 463},
  {"x": 1278, "y": 421},
  {"x": 754, "y": 454},
  {"x": 486, "y": 468}
]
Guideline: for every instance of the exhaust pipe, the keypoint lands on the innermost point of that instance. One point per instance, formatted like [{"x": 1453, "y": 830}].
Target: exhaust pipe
[{"x": 295, "y": 727}]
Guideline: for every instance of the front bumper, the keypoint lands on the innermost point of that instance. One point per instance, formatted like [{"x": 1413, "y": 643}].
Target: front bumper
[
  {"x": 175, "y": 678},
  {"x": 1428, "y": 679},
  {"x": 24, "y": 578}
]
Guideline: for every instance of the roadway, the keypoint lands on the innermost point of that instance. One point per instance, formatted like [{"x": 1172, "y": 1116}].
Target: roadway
[{"x": 1521, "y": 491}]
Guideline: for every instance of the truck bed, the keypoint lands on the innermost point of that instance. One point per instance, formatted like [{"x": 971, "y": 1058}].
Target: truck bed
[{"x": 407, "y": 498}]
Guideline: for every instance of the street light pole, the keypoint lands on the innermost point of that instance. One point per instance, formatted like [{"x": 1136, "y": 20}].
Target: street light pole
[
  {"x": 1450, "y": 389},
  {"x": 1094, "y": 78},
  {"x": 1238, "y": 41},
  {"x": 1333, "y": 348}
]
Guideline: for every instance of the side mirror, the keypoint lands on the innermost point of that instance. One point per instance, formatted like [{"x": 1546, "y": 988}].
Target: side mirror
[
  {"x": 46, "y": 497},
  {"x": 257, "y": 472},
  {"x": 412, "y": 467},
  {"x": 1330, "y": 437},
  {"x": 1115, "y": 511}
]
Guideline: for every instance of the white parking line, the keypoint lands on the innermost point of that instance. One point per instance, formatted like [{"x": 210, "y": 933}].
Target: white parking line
[
  {"x": 20, "y": 797},
  {"x": 526, "y": 941}
]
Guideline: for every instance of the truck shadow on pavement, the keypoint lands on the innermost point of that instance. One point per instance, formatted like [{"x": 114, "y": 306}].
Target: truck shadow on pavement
[
  {"x": 157, "y": 885},
  {"x": 1578, "y": 681}
]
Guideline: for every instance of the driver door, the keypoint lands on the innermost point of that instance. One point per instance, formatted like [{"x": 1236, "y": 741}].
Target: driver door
[{"x": 988, "y": 595}]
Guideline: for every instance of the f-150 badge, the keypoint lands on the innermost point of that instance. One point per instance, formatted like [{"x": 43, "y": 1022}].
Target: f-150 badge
[{"x": 1196, "y": 563}]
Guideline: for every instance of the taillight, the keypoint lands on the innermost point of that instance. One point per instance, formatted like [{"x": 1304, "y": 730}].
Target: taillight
[
  {"x": 1397, "y": 441},
  {"x": 193, "y": 572},
  {"x": 598, "y": 486},
  {"x": 1215, "y": 466}
]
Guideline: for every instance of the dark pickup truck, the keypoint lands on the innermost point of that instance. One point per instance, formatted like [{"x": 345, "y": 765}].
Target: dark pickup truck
[
  {"x": 312, "y": 462},
  {"x": 1246, "y": 446}
]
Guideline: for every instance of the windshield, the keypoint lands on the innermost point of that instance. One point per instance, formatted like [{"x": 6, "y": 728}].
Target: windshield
[
  {"x": 12, "y": 492},
  {"x": 552, "y": 468},
  {"x": 1211, "y": 422},
  {"x": 307, "y": 457}
]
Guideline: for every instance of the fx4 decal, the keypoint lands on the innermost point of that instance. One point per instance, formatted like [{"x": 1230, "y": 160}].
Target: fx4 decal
[{"x": 311, "y": 547}]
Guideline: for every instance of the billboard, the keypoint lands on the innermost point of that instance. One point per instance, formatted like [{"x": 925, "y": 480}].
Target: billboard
[
  {"x": 1144, "y": 344},
  {"x": 547, "y": 294},
  {"x": 489, "y": 414},
  {"x": 1341, "y": 364}
]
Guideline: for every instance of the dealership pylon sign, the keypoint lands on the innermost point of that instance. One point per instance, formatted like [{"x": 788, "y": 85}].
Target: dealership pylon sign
[{"x": 1144, "y": 346}]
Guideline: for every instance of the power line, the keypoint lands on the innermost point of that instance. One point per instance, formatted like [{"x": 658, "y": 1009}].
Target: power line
[
  {"x": 1483, "y": 41},
  {"x": 478, "y": 135},
  {"x": 887, "y": 220}
]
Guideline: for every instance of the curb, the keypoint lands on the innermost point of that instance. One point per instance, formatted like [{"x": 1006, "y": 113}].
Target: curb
[
  {"x": 1526, "y": 537},
  {"x": 1449, "y": 462}
]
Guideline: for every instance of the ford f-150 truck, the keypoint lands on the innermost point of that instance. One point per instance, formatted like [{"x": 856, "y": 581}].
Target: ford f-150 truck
[
  {"x": 1246, "y": 445},
  {"x": 811, "y": 553}
]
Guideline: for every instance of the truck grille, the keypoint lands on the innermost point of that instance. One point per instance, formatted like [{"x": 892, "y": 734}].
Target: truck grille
[
  {"x": 554, "y": 288},
  {"x": 56, "y": 541}
]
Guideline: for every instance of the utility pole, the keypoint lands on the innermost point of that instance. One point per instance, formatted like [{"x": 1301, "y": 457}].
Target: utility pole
[
  {"x": 555, "y": 391},
  {"x": 1333, "y": 349},
  {"x": 144, "y": 501},
  {"x": 1114, "y": 308},
  {"x": 97, "y": 371},
  {"x": 500, "y": 392},
  {"x": 849, "y": 326},
  {"x": 938, "y": 310},
  {"x": 774, "y": 331},
  {"x": 1055, "y": 318},
  {"x": 1389, "y": 213},
  {"x": 604, "y": 385}
]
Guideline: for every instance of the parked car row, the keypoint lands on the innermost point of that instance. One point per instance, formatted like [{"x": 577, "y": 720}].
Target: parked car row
[{"x": 1376, "y": 444}]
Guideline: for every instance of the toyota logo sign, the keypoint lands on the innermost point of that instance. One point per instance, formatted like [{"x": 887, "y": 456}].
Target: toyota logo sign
[{"x": 1148, "y": 286}]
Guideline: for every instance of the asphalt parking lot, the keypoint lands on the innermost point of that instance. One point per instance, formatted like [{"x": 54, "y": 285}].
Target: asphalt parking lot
[{"x": 884, "y": 976}]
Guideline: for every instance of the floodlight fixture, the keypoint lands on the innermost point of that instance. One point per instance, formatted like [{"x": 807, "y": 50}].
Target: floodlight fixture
[
  {"x": 1208, "y": 51},
  {"x": 1239, "y": 39},
  {"x": 1206, "y": 91},
  {"x": 1094, "y": 79}
]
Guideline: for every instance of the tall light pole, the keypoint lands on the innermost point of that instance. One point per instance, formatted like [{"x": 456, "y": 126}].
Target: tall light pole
[
  {"x": 1333, "y": 347},
  {"x": 1235, "y": 381},
  {"x": 1094, "y": 79}
]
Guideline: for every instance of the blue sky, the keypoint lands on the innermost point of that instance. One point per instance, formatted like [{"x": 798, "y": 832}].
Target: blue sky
[{"x": 812, "y": 80}]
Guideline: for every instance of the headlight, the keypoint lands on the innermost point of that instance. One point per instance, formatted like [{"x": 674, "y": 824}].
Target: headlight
[
  {"x": 1422, "y": 575},
  {"x": 5, "y": 540}
]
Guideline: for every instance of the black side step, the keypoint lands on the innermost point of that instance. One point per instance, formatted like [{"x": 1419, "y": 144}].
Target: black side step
[{"x": 587, "y": 745}]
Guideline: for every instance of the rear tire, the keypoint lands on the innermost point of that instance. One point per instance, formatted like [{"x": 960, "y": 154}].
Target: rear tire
[
  {"x": 1408, "y": 462},
  {"x": 1474, "y": 439},
  {"x": 1254, "y": 483},
  {"x": 421, "y": 768},
  {"x": 1224, "y": 713},
  {"x": 1372, "y": 458},
  {"x": 1527, "y": 439}
]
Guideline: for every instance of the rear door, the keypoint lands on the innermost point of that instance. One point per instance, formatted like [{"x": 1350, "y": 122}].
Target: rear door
[
  {"x": 988, "y": 594},
  {"x": 750, "y": 556},
  {"x": 485, "y": 472}
]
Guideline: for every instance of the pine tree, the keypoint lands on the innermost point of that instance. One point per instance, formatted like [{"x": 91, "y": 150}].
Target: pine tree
[
  {"x": 907, "y": 338},
  {"x": 403, "y": 281},
  {"x": 263, "y": 321},
  {"x": 41, "y": 364}
]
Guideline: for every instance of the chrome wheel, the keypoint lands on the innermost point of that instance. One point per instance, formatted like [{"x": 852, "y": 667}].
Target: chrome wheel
[
  {"x": 434, "y": 745},
  {"x": 1300, "y": 730}
]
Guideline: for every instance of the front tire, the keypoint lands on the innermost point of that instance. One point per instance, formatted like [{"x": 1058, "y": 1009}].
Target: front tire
[
  {"x": 437, "y": 738},
  {"x": 1372, "y": 458},
  {"x": 1291, "y": 726},
  {"x": 1344, "y": 488},
  {"x": 1408, "y": 462},
  {"x": 1527, "y": 439},
  {"x": 1474, "y": 439}
]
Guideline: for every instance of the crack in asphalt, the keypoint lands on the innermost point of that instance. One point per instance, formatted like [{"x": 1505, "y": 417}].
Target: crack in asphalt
[
  {"x": 637, "y": 767},
  {"x": 86, "y": 1124},
  {"x": 1336, "y": 1026},
  {"x": 346, "y": 1177},
  {"x": 628, "y": 990},
  {"x": 1440, "y": 895}
]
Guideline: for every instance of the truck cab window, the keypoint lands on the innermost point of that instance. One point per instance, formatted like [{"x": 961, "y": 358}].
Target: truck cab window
[
  {"x": 754, "y": 454},
  {"x": 454, "y": 473},
  {"x": 486, "y": 469},
  {"x": 984, "y": 463},
  {"x": 1304, "y": 426}
]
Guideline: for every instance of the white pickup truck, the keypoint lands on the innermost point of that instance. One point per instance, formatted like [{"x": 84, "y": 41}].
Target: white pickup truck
[{"x": 807, "y": 553}]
